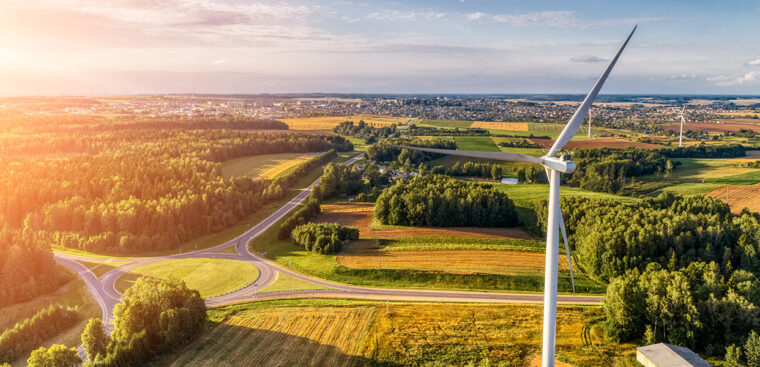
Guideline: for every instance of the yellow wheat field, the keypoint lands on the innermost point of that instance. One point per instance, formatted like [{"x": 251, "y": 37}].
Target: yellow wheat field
[
  {"x": 368, "y": 333},
  {"x": 514, "y": 126},
  {"x": 739, "y": 197},
  {"x": 328, "y": 122},
  {"x": 511, "y": 333},
  {"x": 275, "y": 171},
  {"x": 303, "y": 336},
  {"x": 366, "y": 255}
]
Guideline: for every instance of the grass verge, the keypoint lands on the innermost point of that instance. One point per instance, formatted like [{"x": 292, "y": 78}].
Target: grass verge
[{"x": 211, "y": 277}]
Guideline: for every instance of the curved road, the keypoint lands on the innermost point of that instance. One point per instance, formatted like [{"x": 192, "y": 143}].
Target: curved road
[{"x": 104, "y": 291}]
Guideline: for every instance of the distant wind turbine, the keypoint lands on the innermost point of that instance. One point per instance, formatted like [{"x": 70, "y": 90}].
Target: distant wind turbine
[
  {"x": 683, "y": 120},
  {"x": 555, "y": 221}
]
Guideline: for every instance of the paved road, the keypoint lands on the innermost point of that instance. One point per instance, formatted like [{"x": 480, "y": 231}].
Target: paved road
[{"x": 104, "y": 291}]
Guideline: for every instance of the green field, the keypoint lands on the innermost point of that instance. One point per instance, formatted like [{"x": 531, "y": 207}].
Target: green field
[
  {"x": 445, "y": 123},
  {"x": 253, "y": 166},
  {"x": 285, "y": 282},
  {"x": 480, "y": 143},
  {"x": 211, "y": 277},
  {"x": 364, "y": 333}
]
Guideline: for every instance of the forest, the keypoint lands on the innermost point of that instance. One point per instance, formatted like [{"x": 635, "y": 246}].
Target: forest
[
  {"x": 415, "y": 130},
  {"x": 125, "y": 190},
  {"x": 383, "y": 151},
  {"x": 161, "y": 190},
  {"x": 442, "y": 201},
  {"x": 681, "y": 270}
]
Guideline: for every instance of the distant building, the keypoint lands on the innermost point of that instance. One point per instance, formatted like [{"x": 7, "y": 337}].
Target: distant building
[{"x": 666, "y": 355}]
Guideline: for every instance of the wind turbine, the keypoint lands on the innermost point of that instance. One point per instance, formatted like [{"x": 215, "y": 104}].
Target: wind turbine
[
  {"x": 554, "y": 166},
  {"x": 589, "y": 122},
  {"x": 683, "y": 120}
]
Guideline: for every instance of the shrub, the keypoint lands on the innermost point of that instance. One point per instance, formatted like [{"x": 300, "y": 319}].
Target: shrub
[
  {"x": 300, "y": 216},
  {"x": 323, "y": 238}
]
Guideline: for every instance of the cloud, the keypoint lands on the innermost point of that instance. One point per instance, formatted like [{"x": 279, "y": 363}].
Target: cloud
[
  {"x": 475, "y": 16},
  {"x": 754, "y": 62},
  {"x": 725, "y": 80},
  {"x": 543, "y": 18},
  {"x": 587, "y": 59},
  {"x": 555, "y": 18},
  {"x": 218, "y": 62},
  {"x": 395, "y": 15}
]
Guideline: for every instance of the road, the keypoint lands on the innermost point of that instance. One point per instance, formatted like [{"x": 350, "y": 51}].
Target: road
[{"x": 104, "y": 291}]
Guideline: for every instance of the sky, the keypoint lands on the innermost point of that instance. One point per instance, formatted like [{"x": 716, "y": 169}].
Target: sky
[{"x": 107, "y": 47}]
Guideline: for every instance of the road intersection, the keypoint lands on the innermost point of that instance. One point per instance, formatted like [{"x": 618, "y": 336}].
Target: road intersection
[{"x": 107, "y": 296}]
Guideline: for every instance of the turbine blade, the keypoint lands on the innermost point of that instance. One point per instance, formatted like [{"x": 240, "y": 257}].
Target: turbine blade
[
  {"x": 575, "y": 122},
  {"x": 500, "y": 156},
  {"x": 564, "y": 238},
  {"x": 567, "y": 248}
]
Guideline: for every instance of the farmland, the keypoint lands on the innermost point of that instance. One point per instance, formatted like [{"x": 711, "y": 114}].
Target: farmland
[
  {"x": 514, "y": 126},
  {"x": 368, "y": 254},
  {"x": 288, "y": 336},
  {"x": 355, "y": 333},
  {"x": 597, "y": 143},
  {"x": 481, "y": 143},
  {"x": 739, "y": 197},
  {"x": 328, "y": 122},
  {"x": 211, "y": 277},
  {"x": 263, "y": 166},
  {"x": 360, "y": 215}
]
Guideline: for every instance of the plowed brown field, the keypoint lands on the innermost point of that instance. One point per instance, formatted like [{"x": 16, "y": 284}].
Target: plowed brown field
[
  {"x": 366, "y": 254},
  {"x": 739, "y": 197},
  {"x": 715, "y": 127},
  {"x": 597, "y": 143},
  {"x": 360, "y": 215}
]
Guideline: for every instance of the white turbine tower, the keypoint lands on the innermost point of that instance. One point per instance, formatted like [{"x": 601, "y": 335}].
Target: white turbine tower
[
  {"x": 683, "y": 120},
  {"x": 553, "y": 168},
  {"x": 589, "y": 122}
]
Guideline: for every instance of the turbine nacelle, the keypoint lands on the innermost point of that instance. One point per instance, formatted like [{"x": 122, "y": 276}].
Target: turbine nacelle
[{"x": 559, "y": 164}]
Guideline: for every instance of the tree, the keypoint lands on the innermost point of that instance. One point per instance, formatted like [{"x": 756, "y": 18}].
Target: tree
[
  {"x": 734, "y": 356},
  {"x": 56, "y": 356},
  {"x": 496, "y": 172},
  {"x": 94, "y": 338},
  {"x": 752, "y": 349},
  {"x": 625, "y": 307}
]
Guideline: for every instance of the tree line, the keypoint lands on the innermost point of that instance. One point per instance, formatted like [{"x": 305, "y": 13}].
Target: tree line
[
  {"x": 26, "y": 335},
  {"x": 442, "y": 201},
  {"x": 384, "y": 152},
  {"x": 472, "y": 169},
  {"x": 415, "y": 130}
]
